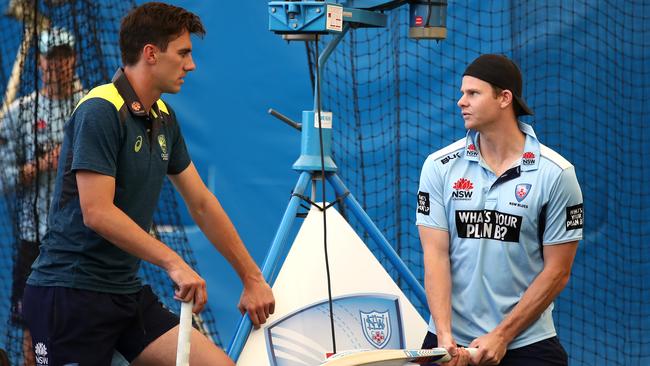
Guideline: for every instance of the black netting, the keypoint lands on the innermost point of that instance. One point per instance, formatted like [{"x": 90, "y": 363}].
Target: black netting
[
  {"x": 31, "y": 126},
  {"x": 586, "y": 74}
]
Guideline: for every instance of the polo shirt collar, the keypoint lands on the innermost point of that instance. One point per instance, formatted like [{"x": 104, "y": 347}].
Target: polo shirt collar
[
  {"x": 130, "y": 97},
  {"x": 471, "y": 146},
  {"x": 531, "y": 156},
  {"x": 529, "y": 159}
]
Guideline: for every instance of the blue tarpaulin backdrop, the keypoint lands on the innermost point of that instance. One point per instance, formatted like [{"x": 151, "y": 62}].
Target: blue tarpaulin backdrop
[{"x": 243, "y": 153}]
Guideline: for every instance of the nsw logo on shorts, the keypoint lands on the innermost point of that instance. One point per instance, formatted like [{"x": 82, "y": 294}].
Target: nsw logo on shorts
[{"x": 41, "y": 353}]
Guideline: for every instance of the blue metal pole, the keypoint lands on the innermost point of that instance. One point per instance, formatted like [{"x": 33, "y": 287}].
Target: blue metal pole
[
  {"x": 322, "y": 59},
  {"x": 269, "y": 269},
  {"x": 378, "y": 237},
  {"x": 310, "y": 144}
]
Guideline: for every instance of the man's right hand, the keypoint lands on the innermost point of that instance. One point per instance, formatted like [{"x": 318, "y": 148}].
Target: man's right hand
[
  {"x": 257, "y": 300},
  {"x": 189, "y": 285}
]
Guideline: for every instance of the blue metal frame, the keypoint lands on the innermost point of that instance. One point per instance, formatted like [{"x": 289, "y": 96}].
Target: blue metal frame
[
  {"x": 309, "y": 164},
  {"x": 300, "y": 17}
]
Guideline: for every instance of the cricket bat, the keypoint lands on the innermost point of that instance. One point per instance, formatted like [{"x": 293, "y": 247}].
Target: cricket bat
[
  {"x": 184, "y": 333},
  {"x": 390, "y": 357}
]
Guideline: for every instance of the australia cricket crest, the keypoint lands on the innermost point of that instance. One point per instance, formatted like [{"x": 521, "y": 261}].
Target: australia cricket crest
[
  {"x": 376, "y": 327},
  {"x": 163, "y": 147}
]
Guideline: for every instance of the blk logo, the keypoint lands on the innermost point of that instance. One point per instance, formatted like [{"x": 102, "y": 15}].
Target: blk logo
[{"x": 447, "y": 158}]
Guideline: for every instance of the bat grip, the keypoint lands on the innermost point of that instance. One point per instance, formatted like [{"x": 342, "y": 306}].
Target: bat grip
[
  {"x": 184, "y": 332},
  {"x": 473, "y": 351}
]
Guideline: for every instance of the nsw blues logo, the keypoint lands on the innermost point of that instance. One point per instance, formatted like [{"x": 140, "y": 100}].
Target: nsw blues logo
[
  {"x": 304, "y": 336},
  {"x": 521, "y": 191},
  {"x": 376, "y": 327}
]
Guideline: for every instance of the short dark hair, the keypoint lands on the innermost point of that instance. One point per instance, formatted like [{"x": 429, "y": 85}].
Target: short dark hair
[
  {"x": 155, "y": 23},
  {"x": 517, "y": 108}
]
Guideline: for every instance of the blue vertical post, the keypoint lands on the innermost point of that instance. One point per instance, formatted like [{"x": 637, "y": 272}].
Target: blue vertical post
[
  {"x": 322, "y": 59},
  {"x": 310, "y": 149}
]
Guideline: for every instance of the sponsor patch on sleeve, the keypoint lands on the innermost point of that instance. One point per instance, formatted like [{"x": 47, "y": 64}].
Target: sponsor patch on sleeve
[
  {"x": 423, "y": 203},
  {"x": 574, "y": 217}
]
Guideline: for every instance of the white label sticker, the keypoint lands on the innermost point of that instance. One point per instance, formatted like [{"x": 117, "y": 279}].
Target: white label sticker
[
  {"x": 325, "y": 119},
  {"x": 334, "y": 18}
]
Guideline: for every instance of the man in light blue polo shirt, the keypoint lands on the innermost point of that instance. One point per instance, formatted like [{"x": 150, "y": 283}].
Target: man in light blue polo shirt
[{"x": 499, "y": 216}]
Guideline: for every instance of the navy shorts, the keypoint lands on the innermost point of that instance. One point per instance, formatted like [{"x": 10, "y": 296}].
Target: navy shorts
[
  {"x": 71, "y": 326},
  {"x": 548, "y": 352}
]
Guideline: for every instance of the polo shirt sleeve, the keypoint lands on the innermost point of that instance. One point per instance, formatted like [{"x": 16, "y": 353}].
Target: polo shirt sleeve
[
  {"x": 430, "y": 205},
  {"x": 180, "y": 158},
  {"x": 97, "y": 137},
  {"x": 564, "y": 215}
]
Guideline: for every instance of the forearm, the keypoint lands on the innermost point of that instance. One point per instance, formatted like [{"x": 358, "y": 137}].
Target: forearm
[
  {"x": 437, "y": 279},
  {"x": 217, "y": 227},
  {"x": 537, "y": 298},
  {"x": 119, "y": 229},
  {"x": 437, "y": 283}
]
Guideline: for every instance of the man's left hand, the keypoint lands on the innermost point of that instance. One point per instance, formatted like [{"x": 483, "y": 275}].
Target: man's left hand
[
  {"x": 257, "y": 300},
  {"x": 491, "y": 349}
]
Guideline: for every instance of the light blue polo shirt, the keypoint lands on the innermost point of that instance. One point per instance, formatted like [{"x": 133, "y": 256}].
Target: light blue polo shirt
[{"x": 497, "y": 227}]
